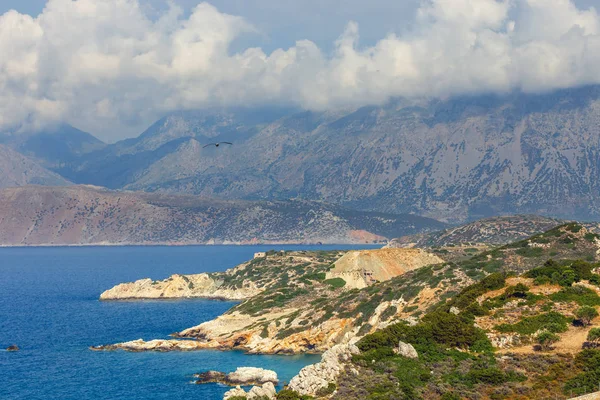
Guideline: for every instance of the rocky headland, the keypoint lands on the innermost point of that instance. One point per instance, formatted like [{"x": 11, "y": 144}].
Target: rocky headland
[
  {"x": 403, "y": 313},
  {"x": 289, "y": 301}
]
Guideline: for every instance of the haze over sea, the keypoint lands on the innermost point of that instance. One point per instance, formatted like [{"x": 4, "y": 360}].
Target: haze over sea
[{"x": 49, "y": 307}]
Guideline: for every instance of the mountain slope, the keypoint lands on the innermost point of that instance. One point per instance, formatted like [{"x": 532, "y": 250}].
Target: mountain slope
[
  {"x": 18, "y": 170},
  {"x": 490, "y": 231},
  {"x": 54, "y": 148},
  {"x": 457, "y": 159},
  {"x": 86, "y": 215}
]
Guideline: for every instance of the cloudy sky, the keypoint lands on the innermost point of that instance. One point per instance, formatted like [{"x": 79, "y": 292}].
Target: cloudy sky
[{"x": 112, "y": 67}]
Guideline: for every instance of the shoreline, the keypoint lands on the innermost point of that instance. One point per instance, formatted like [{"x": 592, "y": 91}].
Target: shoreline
[{"x": 238, "y": 244}]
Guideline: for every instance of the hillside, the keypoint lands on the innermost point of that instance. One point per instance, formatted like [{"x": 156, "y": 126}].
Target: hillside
[
  {"x": 493, "y": 231},
  {"x": 83, "y": 215},
  {"x": 473, "y": 324},
  {"x": 18, "y": 170},
  {"x": 458, "y": 159},
  {"x": 55, "y": 147}
]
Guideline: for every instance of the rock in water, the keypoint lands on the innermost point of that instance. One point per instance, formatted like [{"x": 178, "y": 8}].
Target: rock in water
[
  {"x": 245, "y": 376},
  {"x": 406, "y": 350},
  {"x": 14, "y": 347},
  {"x": 256, "y": 392},
  {"x": 211, "y": 377},
  {"x": 252, "y": 376}
]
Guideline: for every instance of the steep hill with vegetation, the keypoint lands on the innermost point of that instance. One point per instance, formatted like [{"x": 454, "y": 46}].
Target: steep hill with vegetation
[{"x": 495, "y": 231}]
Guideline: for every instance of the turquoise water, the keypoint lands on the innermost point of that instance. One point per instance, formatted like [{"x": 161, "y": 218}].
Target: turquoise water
[{"x": 49, "y": 307}]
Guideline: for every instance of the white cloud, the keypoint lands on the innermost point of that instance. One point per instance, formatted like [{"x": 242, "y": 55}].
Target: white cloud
[{"x": 104, "y": 66}]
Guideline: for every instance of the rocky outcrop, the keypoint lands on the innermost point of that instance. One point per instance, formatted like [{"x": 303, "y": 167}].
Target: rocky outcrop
[
  {"x": 243, "y": 376},
  {"x": 154, "y": 345},
  {"x": 318, "y": 376},
  {"x": 406, "y": 350},
  {"x": 256, "y": 392},
  {"x": 363, "y": 268},
  {"x": 178, "y": 286},
  {"x": 240, "y": 331}
]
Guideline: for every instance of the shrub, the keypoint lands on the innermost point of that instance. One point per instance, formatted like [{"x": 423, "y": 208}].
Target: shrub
[
  {"x": 335, "y": 283},
  {"x": 586, "y": 314},
  {"x": 450, "y": 396},
  {"x": 492, "y": 376},
  {"x": 546, "y": 340},
  {"x": 578, "y": 294},
  {"x": 519, "y": 291},
  {"x": 594, "y": 335},
  {"x": 551, "y": 321},
  {"x": 326, "y": 391}
]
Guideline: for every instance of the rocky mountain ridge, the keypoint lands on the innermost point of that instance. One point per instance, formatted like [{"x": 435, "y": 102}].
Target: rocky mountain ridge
[
  {"x": 84, "y": 215},
  {"x": 495, "y": 231},
  {"x": 456, "y": 159},
  {"x": 18, "y": 170}
]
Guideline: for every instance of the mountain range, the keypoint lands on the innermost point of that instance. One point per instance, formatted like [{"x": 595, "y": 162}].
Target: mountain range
[
  {"x": 455, "y": 160},
  {"x": 86, "y": 215}
]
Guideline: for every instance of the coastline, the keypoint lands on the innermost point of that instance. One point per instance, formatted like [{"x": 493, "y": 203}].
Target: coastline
[{"x": 206, "y": 244}]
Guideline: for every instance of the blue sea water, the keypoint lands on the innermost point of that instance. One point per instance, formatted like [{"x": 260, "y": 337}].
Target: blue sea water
[{"x": 49, "y": 307}]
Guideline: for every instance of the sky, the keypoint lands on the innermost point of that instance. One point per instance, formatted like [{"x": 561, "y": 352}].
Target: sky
[{"x": 112, "y": 67}]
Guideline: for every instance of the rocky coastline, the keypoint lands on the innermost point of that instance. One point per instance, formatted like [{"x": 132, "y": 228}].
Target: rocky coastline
[{"x": 242, "y": 376}]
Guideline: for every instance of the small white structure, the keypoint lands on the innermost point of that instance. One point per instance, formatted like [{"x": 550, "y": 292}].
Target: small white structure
[{"x": 260, "y": 254}]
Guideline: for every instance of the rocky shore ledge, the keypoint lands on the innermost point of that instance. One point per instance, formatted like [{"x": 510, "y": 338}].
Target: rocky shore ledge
[
  {"x": 242, "y": 376},
  {"x": 179, "y": 287}
]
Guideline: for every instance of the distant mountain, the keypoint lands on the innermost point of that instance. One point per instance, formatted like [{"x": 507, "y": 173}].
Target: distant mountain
[
  {"x": 88, "y": 215},
  {"x": 492, "y": 231},
  {"x": 456, "y": 160},
  {"x": 18, "y": 170},
  {"x": 54, "y": 148}
]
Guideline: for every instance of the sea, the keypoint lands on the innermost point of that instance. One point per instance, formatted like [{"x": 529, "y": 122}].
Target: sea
[{"x": 49, "y": 307}]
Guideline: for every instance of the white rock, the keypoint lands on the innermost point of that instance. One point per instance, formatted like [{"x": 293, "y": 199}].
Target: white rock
[
  {"x": 245, "y": 375},
  {"x": 256, "y": 392},
  {"x": 238, "y": 391},
  {"x": 267, "y": 390},
  {"x": 406, "y": 350},
  {"x": 316, "y": 376}
]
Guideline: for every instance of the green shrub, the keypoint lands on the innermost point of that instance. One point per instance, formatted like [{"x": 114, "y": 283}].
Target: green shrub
[
  {"x": 586, "y": 314},
  {"x": 546, "y": 340},
  {"x": 552, "y": 321},
  {"x": 530, "y": 252},
  {"x": 450, "y": 396},
  {"x": 578, "y": 294},
  {"x": 389, "y": 313},
  {"x": 493, "y": 376},
  {"x": 336, "y": 283},
  {"x": 326, "y": 391},
  {"x": 594, "y": 335}
]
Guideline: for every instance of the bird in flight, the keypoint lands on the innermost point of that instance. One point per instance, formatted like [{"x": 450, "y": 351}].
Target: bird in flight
[{"x": 217, "y": 144}]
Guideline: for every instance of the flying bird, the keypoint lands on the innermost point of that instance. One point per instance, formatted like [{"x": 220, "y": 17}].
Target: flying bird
[{"x": 217, "y": 144}]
